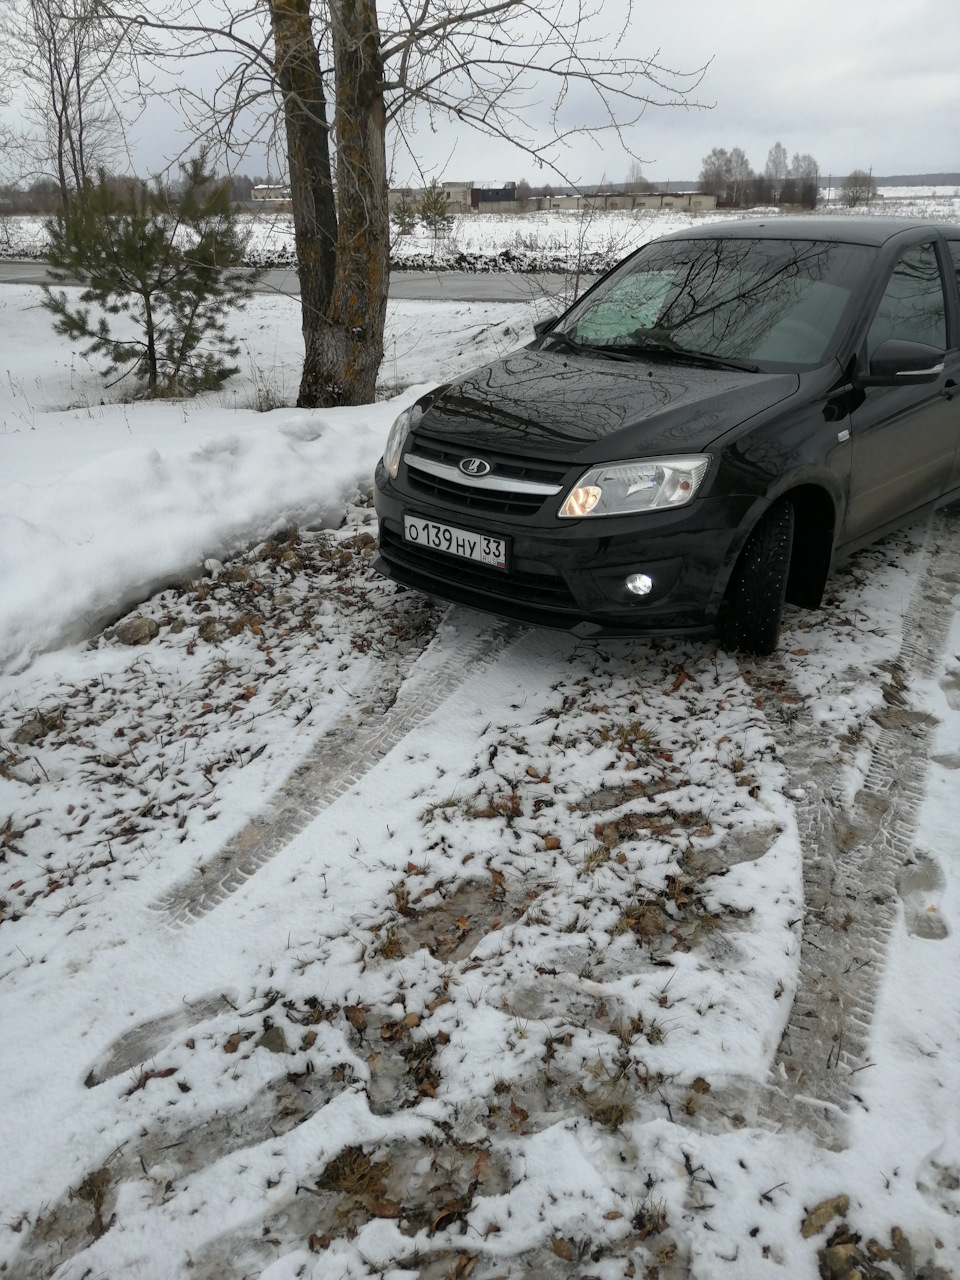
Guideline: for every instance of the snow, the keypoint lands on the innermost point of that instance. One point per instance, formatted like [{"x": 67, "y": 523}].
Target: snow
[
  {"x": 558, "y": 240},
  {"x": 526, "y": 914},
  {"x": 104, "y": 503}
]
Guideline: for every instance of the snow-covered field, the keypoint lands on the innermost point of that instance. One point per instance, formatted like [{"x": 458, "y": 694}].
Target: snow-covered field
[
  {"x": 344, "y": 935},
  {"x": 562, "y": 240}
]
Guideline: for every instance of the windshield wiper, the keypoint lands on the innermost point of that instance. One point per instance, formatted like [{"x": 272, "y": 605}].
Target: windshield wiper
[
  {"x": 719, "y": 362},
  {"x": 588, "y": 349},
  {"x": 656, "y": 346}
]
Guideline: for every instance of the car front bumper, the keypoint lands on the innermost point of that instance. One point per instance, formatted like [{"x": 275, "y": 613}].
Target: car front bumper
[{"x": 571, "y": 574}]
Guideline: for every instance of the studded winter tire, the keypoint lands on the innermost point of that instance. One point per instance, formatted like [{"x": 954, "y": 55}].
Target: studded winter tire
[{"x": 753, "y": 605}]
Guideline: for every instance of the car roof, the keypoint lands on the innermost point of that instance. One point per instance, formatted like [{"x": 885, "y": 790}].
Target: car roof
[{"x": 862, "y": 230}]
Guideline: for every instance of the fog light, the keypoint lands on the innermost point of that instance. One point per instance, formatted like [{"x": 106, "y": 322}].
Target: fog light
[{"x": 640, "y": 584}]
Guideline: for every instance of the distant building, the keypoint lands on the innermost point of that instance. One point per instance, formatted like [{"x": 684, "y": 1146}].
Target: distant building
[
  {"x": 494, "y": 199},
  {"x": 616, "y": 199},
  {"x": 396, "y": 194},
  {"x": 457, "y": 196},
  {"x": 693, "y": 201},
  {"x": 465, "y": 197},
  {"x": 276, "y": 196}
]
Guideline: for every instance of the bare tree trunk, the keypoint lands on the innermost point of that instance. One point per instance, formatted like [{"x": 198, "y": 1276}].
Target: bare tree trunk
[
  {"x": 343, "y": 247},
  {"x": 311, "y": 181},
  {"x": 353, "y": 345}
]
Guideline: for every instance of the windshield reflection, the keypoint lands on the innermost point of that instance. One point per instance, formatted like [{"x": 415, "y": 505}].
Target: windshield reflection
[{"x": 772, "y": 304}]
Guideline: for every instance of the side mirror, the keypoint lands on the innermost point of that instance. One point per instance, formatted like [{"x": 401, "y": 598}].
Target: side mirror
[
  {"x": 540, "y": 327},
  {"x": 898, "y": 363}
]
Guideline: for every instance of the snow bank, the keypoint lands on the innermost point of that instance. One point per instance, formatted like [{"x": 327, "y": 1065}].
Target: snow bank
[{"x": 102, "y": 504}]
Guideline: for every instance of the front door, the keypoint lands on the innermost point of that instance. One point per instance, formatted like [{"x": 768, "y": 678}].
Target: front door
[{"x": 904, "y": 438}]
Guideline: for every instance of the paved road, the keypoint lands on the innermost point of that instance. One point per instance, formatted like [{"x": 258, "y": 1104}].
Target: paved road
[{"x": 427, "y": 286}]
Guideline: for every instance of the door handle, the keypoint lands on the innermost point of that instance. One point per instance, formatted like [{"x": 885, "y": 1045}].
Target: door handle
[{"x": 949, "y": 389}]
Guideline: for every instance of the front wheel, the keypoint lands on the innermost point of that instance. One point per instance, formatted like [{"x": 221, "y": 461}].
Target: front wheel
[{"x": 751, "y": 611}]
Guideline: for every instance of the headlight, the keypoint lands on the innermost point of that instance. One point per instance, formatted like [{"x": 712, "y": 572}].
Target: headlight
[
  {"x": 645, "y": 484},
  {"x": 397, "y": 438}
]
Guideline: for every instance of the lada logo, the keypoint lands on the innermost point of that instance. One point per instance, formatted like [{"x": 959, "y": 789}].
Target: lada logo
[{"x": 474, "y": 467}]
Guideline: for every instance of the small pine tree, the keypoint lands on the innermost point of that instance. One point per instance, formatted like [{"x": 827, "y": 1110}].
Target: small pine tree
[
  {"x": 404, "y": 216},
  {"x": 433, "y": 208},
  {"x": 168, "y": 266}
]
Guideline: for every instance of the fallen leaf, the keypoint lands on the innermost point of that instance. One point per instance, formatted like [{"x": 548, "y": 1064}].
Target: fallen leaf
[
  {"x": 561, "y": 1249},
  {"x": 649, "y": 923},
  {"x": 384, "y": 1208},
  {"x": 450, "y": 1212},
  {"x": 355, "y": 1016},
  {"x": 147, "y": 1076},
  {"x": 824, "y": 1212},
  {"x": 517, "y": 1117}
]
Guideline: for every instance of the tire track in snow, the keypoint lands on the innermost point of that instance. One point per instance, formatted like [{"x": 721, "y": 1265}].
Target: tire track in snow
[
  {"x": 335, "y": 765},
  {"x": 851, "y": 860}
]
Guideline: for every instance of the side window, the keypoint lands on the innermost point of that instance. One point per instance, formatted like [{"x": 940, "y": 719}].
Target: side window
[
  {"x": 912, "y": 306},
  {"x": 954, "y": 246}
]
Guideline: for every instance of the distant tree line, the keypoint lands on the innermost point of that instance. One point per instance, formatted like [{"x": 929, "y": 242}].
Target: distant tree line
[
  {"x": 44, "y": 196},
  {"x": 729, "y": 176}
]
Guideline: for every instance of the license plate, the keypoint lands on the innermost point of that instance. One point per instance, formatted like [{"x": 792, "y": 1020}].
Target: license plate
[{"x": 484, "y": 548}]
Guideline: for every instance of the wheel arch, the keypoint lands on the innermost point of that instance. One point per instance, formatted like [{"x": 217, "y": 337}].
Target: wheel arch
[
  {"x": 815, "y": 526},
  {"x": 814, "y": 530}
]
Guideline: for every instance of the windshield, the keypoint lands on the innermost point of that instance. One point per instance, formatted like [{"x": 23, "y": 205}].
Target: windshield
[{"x": 773, "y": 304}]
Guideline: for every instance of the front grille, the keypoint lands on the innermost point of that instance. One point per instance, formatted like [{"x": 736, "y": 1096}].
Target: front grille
[
  {"x": 545, "y": 588},
  {"x": 504, "y": 467}
]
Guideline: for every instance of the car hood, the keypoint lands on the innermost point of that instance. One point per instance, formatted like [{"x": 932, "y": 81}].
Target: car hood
[{"x": 562, "y": 405}]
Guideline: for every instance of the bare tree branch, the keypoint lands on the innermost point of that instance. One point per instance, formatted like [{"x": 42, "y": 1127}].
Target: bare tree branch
[{"x": 540, "y": 75}]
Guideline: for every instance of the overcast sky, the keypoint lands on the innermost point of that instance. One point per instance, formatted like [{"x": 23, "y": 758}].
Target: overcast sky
[{"x": 857, "y": 83}]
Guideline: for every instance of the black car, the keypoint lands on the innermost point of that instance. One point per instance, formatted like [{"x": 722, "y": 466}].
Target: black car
[{"x": 696, "y": 438}]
